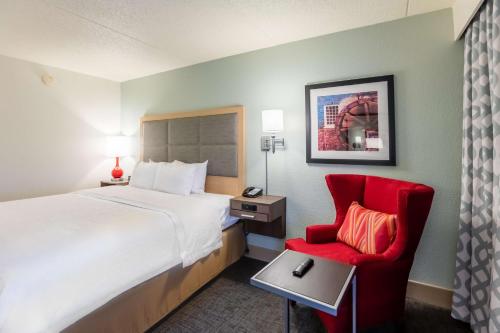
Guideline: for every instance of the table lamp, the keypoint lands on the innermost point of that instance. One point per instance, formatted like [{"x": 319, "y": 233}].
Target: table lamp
[
  {"x": 118, "y": 146},
  {"x": 272, "y": 122}
]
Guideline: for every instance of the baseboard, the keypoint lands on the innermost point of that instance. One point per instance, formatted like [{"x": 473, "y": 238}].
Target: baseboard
[
  {"x": 430, "y": 294},
  {"x": 419, "y": 291},
  {"x": 261, "y": 253}
]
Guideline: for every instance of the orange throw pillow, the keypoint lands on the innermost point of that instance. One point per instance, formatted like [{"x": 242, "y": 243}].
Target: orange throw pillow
[{"x": 366, "y": 230}]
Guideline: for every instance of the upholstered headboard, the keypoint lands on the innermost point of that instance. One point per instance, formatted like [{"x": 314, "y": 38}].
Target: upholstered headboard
[{"x": 216, "y": 135}]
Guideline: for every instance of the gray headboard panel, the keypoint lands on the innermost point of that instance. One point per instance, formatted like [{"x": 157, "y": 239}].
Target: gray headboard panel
[
  {"x": 194, "y": 139},
  {"x": 155, "y": 140}
]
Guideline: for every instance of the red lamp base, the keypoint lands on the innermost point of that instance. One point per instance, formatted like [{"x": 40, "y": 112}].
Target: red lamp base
[{"x": 117, "y": 172}]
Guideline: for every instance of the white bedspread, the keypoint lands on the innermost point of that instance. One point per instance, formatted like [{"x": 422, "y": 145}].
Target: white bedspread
[{"x": 61, "y": 257}]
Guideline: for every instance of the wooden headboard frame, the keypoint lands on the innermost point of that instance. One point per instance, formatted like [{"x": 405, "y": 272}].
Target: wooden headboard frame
[{"x": 214, "y": 184}]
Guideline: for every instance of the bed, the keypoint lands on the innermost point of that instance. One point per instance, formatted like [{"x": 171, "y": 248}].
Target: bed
[{"x": 118, "y": 259}]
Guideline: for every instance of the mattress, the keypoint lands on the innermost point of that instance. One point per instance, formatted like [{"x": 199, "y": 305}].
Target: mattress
[
  {"x": 62, "y": 257},
  {"x": 224, "y": 199}
]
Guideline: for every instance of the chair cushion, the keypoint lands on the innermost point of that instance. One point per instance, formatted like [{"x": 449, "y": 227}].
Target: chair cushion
[
  {"x": 366, "y": 230},
  {"x": 335, "y": 251}
]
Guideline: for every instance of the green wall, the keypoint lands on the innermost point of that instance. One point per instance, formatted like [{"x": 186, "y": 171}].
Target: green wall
[{"x": 427, "y": 65}]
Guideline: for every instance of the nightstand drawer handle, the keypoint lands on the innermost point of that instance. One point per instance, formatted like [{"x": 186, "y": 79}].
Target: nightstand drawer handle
[{"x": 249, "y": 216}]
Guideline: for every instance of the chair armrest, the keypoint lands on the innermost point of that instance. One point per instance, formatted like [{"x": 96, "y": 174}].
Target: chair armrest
[
  {"x": 321, "y": 233},
  {"x": 364, "y": 259}
]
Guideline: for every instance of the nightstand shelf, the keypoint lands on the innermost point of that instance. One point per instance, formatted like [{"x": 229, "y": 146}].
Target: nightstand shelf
[{"x": 264, "y": 215}]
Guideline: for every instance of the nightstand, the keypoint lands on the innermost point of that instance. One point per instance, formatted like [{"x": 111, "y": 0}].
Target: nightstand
[
  {"x": 264, "y": 215},
  {"x": 111, "y": 182}
]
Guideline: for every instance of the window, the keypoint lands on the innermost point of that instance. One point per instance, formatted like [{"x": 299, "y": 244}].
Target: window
[{"x": 331, "y": 112}]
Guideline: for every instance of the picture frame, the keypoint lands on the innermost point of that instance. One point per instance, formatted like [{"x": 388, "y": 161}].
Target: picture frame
[{"x": 351, "y": 122}]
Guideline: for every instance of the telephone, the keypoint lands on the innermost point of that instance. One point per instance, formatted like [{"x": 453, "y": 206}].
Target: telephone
[{"x": 252, "y": 192}]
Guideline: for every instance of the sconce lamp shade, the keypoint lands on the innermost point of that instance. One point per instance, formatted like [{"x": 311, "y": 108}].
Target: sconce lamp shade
[
  {"x": 118, "y": 146},
  {"x": 272, "y": 121}
]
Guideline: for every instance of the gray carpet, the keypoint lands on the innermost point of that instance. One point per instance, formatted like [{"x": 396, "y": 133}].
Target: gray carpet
[{"x": 231, "y": 304}]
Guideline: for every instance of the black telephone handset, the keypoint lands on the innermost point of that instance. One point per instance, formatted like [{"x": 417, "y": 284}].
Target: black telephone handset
[{"x": 252, "y": 192}]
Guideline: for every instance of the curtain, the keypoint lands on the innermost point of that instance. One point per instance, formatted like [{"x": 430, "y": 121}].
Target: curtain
[{"x": 476, "y": 297}]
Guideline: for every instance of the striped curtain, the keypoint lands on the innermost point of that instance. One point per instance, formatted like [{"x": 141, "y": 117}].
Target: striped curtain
[{"x": 476, "y": 297}]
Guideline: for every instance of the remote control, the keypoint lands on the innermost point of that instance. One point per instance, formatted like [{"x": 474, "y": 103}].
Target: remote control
[{"x": 302, "y": 269}]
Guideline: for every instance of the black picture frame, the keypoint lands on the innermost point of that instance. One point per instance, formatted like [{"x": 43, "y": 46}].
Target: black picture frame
[{"x": 391, "y": 160}]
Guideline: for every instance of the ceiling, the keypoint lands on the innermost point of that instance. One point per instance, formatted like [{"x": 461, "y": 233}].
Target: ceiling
[{"x": 125, "y": 39}]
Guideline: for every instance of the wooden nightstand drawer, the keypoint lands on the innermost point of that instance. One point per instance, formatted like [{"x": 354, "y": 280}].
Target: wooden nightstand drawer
[
  {"x": 246, "y": 215},
  {"x": 250, "y": 207},
  {"x": 113, "y": 183},
  {"x": 264, "y": 215}
]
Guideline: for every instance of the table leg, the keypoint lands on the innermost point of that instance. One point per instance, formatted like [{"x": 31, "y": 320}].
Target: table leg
[
  {"x": 354, "y": 304},
  {"x": 286, "y": 315},
  {"x": 245, "y": 234}
]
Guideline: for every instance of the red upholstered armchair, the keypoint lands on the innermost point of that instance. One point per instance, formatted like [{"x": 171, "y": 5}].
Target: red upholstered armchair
[{"x": 381, "y": 278}]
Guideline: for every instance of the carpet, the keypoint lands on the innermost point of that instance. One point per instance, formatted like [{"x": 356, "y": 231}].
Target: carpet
[{"x": 231, "y": 304}]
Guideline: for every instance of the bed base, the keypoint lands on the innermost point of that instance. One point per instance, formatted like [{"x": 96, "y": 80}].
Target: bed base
[{"x": 141, "y": 307}]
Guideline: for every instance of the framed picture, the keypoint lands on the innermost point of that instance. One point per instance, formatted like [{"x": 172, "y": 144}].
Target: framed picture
[{"x": 351, "y": 122}]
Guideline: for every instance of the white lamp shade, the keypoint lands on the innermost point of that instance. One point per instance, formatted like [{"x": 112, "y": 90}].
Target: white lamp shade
[
  {"x": 272, "y": 121},
  {"x": 118, "y": 146}
]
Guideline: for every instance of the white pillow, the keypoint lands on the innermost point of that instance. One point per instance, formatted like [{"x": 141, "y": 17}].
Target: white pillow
[
  {"x": 174, "y": 178},
  {"x": 144, "y": 175},
  {"x": 200, "y": 176}
]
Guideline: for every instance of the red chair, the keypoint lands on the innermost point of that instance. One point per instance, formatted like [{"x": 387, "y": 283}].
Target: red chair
[{"x": 381, "y": 278}]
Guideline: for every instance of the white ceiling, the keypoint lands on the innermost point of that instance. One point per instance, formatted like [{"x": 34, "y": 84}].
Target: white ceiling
[{"x": 125, "y": 39}]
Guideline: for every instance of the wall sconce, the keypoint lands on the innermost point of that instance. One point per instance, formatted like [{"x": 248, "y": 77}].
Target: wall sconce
[{"x": 272, "y": 122}]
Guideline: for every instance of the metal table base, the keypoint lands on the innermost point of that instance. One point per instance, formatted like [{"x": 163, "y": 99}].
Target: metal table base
[{"x": 286, "y": 314}]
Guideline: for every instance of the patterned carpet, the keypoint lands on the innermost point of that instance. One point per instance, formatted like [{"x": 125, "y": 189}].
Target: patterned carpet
[{"x": 231, "y": 304}]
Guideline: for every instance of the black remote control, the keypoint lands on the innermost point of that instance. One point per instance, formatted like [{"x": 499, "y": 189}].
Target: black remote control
[{"x": 302, "y": 269}]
